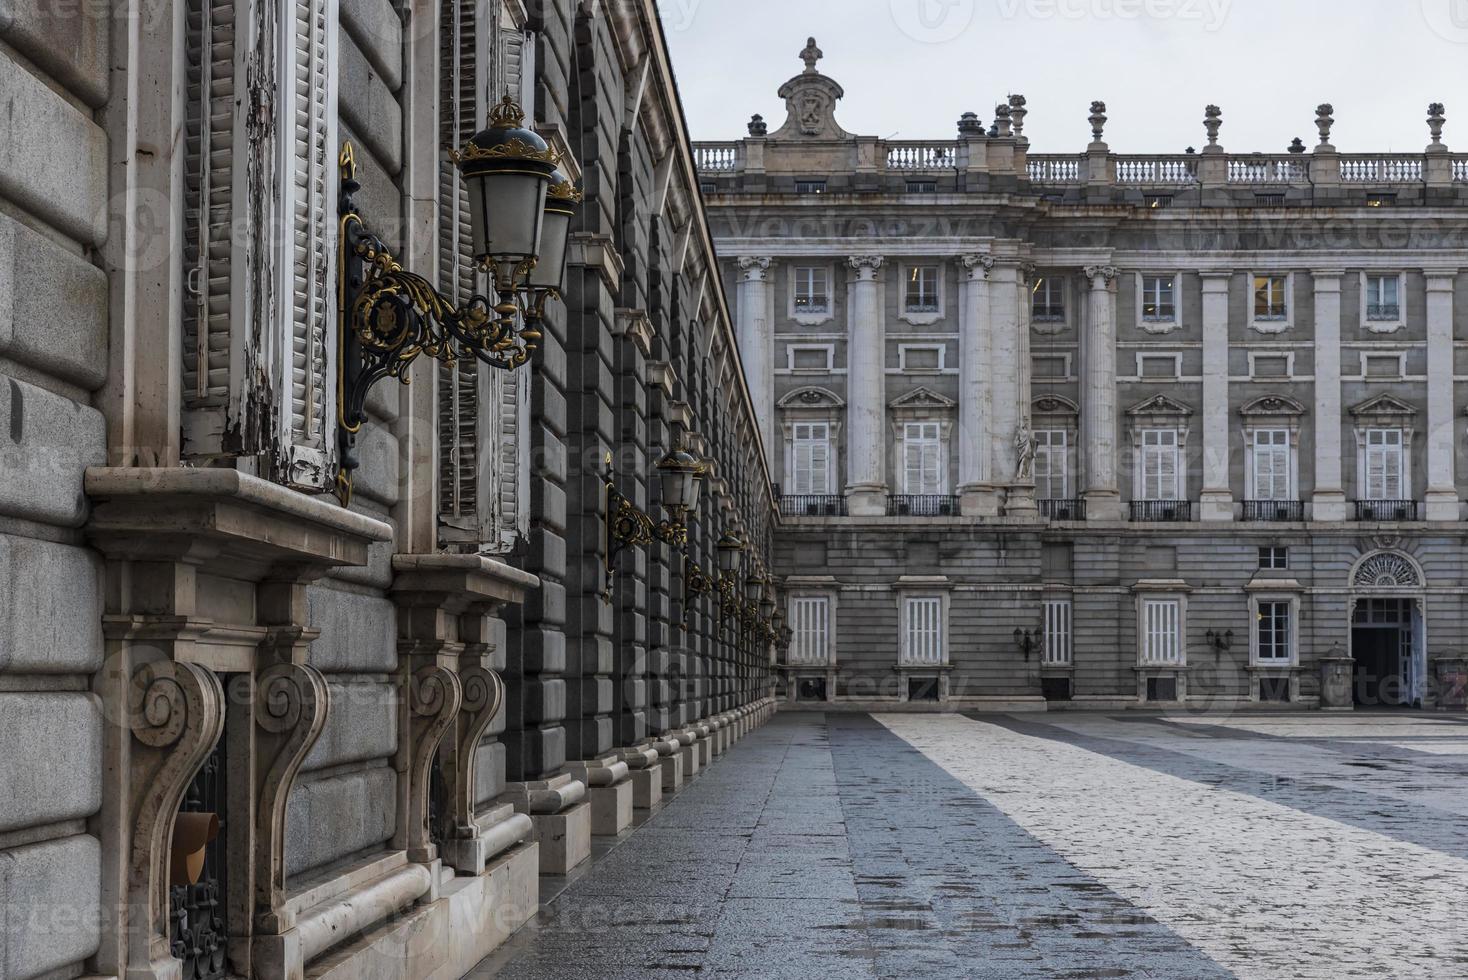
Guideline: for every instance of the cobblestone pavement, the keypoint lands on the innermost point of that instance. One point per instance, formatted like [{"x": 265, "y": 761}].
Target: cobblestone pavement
[{"x": 1044, "y": 846}]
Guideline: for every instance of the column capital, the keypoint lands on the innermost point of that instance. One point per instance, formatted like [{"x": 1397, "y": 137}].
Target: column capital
[
  {"x": 866, "y": 266},
  {"x": 754, "y": 268},
  {"x": 1102, "y": 276},
  {"x": 1440, "y": 280},
  {"x": 1327, "y": 280},
  {"x": 1216, "y": 280},
  {"x": 977, "y": 265}
]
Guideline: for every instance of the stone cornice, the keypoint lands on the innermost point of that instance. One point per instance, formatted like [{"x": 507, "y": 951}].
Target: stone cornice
[{"x": 461, "y": 580}]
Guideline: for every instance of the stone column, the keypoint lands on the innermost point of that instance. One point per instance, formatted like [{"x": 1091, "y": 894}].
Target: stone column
[
  {"x": 757, "y": 343},
  {"x": 1442, "y": 492},
  {"x": 1019, "y": 500},
  {"x": 979, "y": 497},
  {"x": 1217, "y": 497},
  {"x": 1329, "y": 500},
  {"x": 866, "y": 410},
  {"x": 1103, "y": 494},
  {"x": 1005, "y": 300}
]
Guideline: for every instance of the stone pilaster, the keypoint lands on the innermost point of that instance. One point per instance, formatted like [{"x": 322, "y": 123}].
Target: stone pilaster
[
  {"x": 1005, "y": 301},
  {"x": 1217, "y": 499},
  {"x": 757, "y": 344},
  {"x": 1442, "y": 492},
  {"x": 1329, "y": 500},
  {"x": 866, "y": 402},
  {"x": 978, "y": 495},
  {"x": 1103, "y": 493}
]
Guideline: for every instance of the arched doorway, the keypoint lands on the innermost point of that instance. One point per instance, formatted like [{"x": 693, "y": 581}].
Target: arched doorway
[{"x": 1388, "y": 614}]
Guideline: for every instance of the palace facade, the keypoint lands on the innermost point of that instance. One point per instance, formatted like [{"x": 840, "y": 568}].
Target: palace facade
[{"x": 1100, "y": 429}]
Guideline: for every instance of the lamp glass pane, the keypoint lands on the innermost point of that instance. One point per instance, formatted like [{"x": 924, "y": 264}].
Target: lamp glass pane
[
  {"x": 508, "y": 211},
  {"x": 550, "y": 271}
]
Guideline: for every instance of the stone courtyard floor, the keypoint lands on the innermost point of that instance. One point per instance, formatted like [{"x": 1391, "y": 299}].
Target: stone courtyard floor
[{"x": 1047, "y": 846}]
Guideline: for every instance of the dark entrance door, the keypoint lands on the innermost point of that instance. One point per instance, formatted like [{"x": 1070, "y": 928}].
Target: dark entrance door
[{"x": 1381, "y": 644}]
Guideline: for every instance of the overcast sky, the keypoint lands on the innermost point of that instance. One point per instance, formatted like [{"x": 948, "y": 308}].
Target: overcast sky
[{"x": 910, "y": 68}]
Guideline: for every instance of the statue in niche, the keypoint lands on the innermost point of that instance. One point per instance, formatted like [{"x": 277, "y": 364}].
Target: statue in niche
[{"x": 1025, "y": 445}]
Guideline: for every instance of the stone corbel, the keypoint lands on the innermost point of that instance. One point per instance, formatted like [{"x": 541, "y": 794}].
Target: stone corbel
[
  {"x": 433, "y": 698},
  {"x": 291, "y": 704},
  {"x": 176, "y": 713},
  {"x": 483, "y": 697}
]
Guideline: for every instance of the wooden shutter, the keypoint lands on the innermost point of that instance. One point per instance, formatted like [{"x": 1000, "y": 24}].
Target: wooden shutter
[
  {"x": 922, "y": 459},
  {"x": 1052, "y": 459},
  {"x": 923, "y": 629},
  {"x": 1057, "y": 632},
  {"x": 810, "y": 458},
  {"x": 1161, "y": 624},
  {"x": 1160, "y": 465},
  {"x": 812, "y": 620},
  {"x": 1271, "y": 465},
  {"x": 1384, "y": 465}
]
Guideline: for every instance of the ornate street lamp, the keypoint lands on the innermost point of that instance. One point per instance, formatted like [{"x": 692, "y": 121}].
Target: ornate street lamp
[
  {"x": 1026, "y": 640},
  {"x": 628, "y": 525},
  {"x": 730, "y": 548},
  {"x": 680, "y": 473},
  {"x": 388, "y": 316}
]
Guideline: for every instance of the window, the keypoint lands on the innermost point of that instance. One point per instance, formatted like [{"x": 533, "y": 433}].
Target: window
[
  {"x": 1274, "y": 559},
  {"x": 1272, "y": 465},
  {"x": 922, "y": 289},
  {"x": 922, "y": 631},
  {"x": 1161, "y": 479},
  {"x": 1269, "y": 298},
  {"x": 1273, "y": 638},
  {"x": 810, "y": 621},
  {"x": 1383, "y": 298},
  {"x": 1159, "y": 366},
  {"x": 1049, "y": 299},
  {"x": 812, "y": 358},
  {"x": 1052, "y": 470},
  {"x": 921, "y": 357},
  {"x": 812, "y": 290},
  {"x": 810, "y": 459},
  {"x": 1271, "y": 365},
  {"x": 1377, "y": 366},
  {"x": 1381, "y": 200},
  {"x": 1269, "y": 200},
  {"x": 1159, "y": 301},
  {"x": 1162, "y": 632},
  {"x": 922, "y": 459},
  {"x": 1157, "y": 201},
  {"x": 922, "y": 187},
  {"x": 1385, "y": 473},
  {"x": 810, "y": 187},
  {"x": 1057, "y": 633},
  {"x": 708, "y": 187}
]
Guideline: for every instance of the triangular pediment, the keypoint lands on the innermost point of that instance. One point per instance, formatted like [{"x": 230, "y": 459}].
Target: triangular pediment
[
  {"x": 811, "y": 397},
  {"x": 1273, "y": 405},
  {"x": 922, "y": 398},
  {"x": 1160, "y": 405},
  {"x": 1383, "y": 404}
]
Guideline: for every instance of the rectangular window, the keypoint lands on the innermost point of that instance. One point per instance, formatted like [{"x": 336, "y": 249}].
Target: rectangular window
[
  {"x": 1270, "y": 365},
  {"x": 1049, "y": 299},
  {"x": 1269, "y": 298},
  {"x": 1157, "y": 201},
  {"x": 1274, "y": 559},
  {"x": 810, "y": 187},
  {"x": 1162, "y": 632},
  {"x": 812, "y": 291},
  {"x": 1272, "y": 465},
  {"x": 1161, "y": 476},
  {"x": 922, "y": 632},
  {"x": 1385, "y": 470},
  {"x": 922, "y": 289},
  {"x": 1269, "y": 200},
  {"x": 810, "y": 458},
  {"x": 922, "y": 187},
  {"x": 1383, "y": 298},
  {"x": 1057, "y": 632},
  {"x": 1274, "y": 632},
  {"x": 1052, "y": 469},
  {"x": 810, "y": 621},
  {"x": 1382, "y": 365},
  {"x": 1381, "y": 200},
  {"x": 922, "y": 457},
  {"x": 1159, "y": 298}
]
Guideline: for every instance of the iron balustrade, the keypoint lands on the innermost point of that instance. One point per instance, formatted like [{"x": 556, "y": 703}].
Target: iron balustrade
[
  {"x": 1063, "y": 510},
  {"x": 1386, "y": 510},
  {"x": 1383, "y": 311},
  {"x": 1274, "y": 510},
  {"x": 1162, "y": 511},
  {"x": 922, "y": 505},
  {"x": 812, "y": 505}
]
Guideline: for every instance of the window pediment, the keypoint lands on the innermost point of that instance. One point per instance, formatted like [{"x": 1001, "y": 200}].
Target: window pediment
[
  {"x": 1160, "y": 406},
  {"x": 1273, "y": 406},
  {"x": 1384, "y": 407},
  {"x": 811, "y": 399},
  {"x": 922, "y": 400}
]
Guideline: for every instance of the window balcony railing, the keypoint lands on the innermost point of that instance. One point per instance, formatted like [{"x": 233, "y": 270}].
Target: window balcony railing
[
  {"x": 1162, "y": 511},
  {"x": 1047, "y": 315},
  {"x": 1386, "y": 510},
  {"x": 1280, "y": 511},
  {"x": 812, "y": 505},
  {"x": 1062, "y": 510},
  {"x": 922, "y": 505},
  {"x": 1383, "y": 311}
]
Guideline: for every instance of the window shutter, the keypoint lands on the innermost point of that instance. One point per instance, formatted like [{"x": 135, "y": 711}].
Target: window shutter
[{"x": 307, "y": 188}]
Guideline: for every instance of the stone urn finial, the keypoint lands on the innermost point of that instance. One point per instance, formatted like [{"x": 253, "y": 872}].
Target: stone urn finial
[
  {"x": 1435, "y": 120},
  {"x": 969, "y": 124},
  {"x": 1212, "y": 121},
  {"x": 1324, "y": 119},
  {"x": 811, "y": 55},
  {"x": 1297, "y": 145},
  {"x": 758, "y": 126},
  {"x": 1017, "y": 112},
  {"x": 1002, "y": 119},
  {"x": 1097, "y": 120}
]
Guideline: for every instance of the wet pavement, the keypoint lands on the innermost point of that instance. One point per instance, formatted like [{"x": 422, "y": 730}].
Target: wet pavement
[{"x": 1045, "y": 846}]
